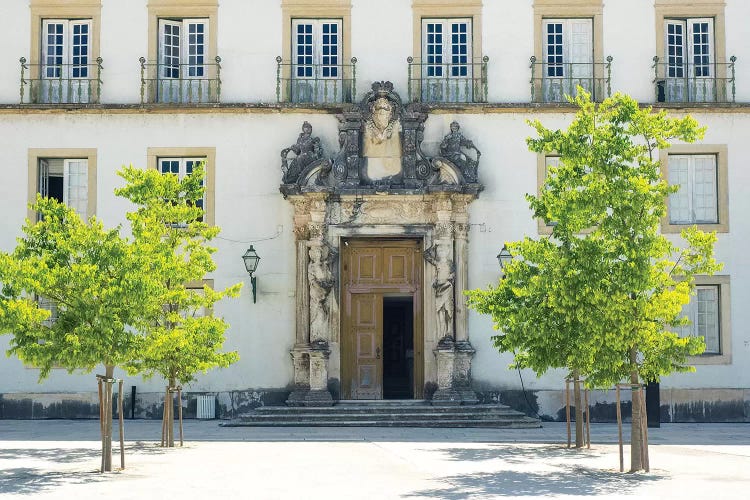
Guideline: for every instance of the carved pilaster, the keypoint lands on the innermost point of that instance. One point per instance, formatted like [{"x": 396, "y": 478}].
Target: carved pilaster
[{"x": 454, "y": 374}]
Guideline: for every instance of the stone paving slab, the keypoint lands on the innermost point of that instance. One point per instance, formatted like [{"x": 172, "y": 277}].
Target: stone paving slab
[{"x": 58, "y": 459}]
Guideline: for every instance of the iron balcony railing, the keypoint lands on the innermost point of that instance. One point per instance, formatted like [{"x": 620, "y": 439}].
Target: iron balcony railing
[
  {"x": 694, "y": 82},
  {"x": 60, "y": 83},
  {"x": 316, "y": 83},
  {"x": 180, "y": 83},
  {"x": 443, "y": 83},
  {"x": 554, "y": 82}
]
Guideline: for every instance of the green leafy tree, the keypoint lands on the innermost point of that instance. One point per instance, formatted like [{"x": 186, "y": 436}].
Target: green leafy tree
[
  {"x": 98, "y": 290},
  {"x": 183, "y": 337},
  {"x": 604, "y": 293}
]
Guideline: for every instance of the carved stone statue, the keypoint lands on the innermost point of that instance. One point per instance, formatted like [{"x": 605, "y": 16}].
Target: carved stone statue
[
  {"x": 451, "y": 148},
  {"x": 443, "y": 286},
  {"x": 321, "y": 282},
  {"x": 307, "y": 150},
  {"x": 380, "y": 151}
]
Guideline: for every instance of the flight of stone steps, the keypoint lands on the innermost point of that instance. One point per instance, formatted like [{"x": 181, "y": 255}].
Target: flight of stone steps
[{"x": 393, "y": 413}]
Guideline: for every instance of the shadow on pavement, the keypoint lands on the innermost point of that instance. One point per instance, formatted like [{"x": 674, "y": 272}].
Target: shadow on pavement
[
  {"x": 29, "y": 480},
  {"x": 26, "y": 480},
  {"x": 514, "y": 454},
  {"x": 566, "y": 481}
]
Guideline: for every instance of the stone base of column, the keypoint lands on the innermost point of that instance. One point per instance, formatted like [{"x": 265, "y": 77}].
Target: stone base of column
[
  {"x": 454, "y": 373},
  {"x": 308, "y": 397}
]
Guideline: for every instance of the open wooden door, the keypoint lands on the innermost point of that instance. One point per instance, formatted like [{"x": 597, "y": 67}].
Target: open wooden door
[{"x": 370, "y": 270}]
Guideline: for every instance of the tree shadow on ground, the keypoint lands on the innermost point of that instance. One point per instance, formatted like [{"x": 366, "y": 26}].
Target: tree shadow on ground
[
  {"x": 577, "y": 480},
  {"x": 26, "y": 480},
  {"x": 514, "y": 454},
  {"x": 29, "y": 480},
  {"x": 71, "y": 455},
  {"x": 562, "y": 474}
]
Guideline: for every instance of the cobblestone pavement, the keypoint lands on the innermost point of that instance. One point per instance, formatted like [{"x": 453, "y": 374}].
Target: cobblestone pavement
[{"x": 59, "y": 459}]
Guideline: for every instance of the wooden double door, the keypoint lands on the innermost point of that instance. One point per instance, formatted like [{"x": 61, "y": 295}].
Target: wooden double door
[{"x": 381, "y": 281}]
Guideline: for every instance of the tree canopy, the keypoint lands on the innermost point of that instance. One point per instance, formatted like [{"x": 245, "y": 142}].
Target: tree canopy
[
  {"x": 604, "y": 292},
  {"x": 183, "y": 337}
]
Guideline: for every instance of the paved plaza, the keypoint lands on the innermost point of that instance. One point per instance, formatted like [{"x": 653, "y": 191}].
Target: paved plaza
[{"x": 59, "y": 459}]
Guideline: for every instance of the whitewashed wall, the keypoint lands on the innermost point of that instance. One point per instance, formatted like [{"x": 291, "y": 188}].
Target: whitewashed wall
[{"x": 248, "y": 205}]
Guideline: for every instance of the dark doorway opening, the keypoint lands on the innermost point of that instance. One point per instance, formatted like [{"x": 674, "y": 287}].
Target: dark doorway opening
[{"x": 398, "y": 347}]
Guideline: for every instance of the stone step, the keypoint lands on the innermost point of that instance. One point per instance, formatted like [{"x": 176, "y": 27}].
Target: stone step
[
  {"x": 311, "y": 417},
  {"x": 402, "y": 413},
  {"x": 525, "y": 423},
  {"x": 388, "y": 409}
]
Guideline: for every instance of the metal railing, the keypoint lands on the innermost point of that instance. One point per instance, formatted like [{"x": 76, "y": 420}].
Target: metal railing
[
  {"x": 691, "y": 82},
  {"x": 60, "y": 83},
  {"x": 182, "y": 83},
  {"x": 430, "y": 82},
  {"x": 554, "y": 82},
  {"x": 316, "y": 83}
]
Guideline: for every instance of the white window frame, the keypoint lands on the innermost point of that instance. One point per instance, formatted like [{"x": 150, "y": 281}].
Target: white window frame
[
  {"x": 75, "y": 193},
  {"x": 689, "y": 192},
  {"x": 65, "y": 73},
  {"x": 190, "y": 72},
  {"x": 568, "y": 66},
  {"x": 317, "y": 64},
  {"x": 317, "y": 73},
  {"x": 450, "y": 70},
  {"x": 66, "y": 58},
  {"x": 682, "y": 73},
  {"x": 184, "y": 168}
]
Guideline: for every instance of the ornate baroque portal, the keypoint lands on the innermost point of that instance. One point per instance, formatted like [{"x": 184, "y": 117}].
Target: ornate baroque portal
[{"x": 381, "y": 185}]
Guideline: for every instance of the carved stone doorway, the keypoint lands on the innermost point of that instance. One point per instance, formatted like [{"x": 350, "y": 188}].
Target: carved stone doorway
[
  {"x": 380, "y": 277},
  {"x": 380, "y": 189}
]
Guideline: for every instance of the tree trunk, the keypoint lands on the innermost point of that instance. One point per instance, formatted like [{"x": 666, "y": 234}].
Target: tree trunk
[
  {"x": 579, "y": 408},
  {"x": 109, "y": 371},
  {"x": 636, "y": 432},
  {"x": 169, "y": 413}
]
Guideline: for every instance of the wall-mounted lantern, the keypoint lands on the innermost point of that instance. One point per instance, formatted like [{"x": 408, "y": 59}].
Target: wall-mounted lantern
[
  {"x": 251, "y": 264},
  {"x": 504, "y": 258}
]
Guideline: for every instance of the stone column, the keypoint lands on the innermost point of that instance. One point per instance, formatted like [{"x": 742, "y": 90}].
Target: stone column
[
  {"x": 314, "y": 282},
  {"x": 301, "y": 351},
  {"x": 454, "y": 352}
]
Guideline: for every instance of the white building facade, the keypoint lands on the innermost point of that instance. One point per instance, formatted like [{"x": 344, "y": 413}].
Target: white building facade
[{"x": 90, "y": 85}]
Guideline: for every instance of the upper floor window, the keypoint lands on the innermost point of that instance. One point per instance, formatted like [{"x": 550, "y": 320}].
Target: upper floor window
[
  {"x": 568, "y": 51},
  {"x": 446, "y": 70},
  {"x": 691, "y": 63},
  {"x": 568, "y": 57},
  {"x": 317, "y": 70},
  {"x": 64, "y": 66},
  {"x": 181, "y": 66}
]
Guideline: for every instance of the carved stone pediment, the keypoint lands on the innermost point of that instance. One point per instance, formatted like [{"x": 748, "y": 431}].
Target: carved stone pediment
[{"x": 380, "y": 151}]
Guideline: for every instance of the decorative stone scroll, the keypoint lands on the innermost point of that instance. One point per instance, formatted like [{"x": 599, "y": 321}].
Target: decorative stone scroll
[{"x": 380, "y": 150}]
